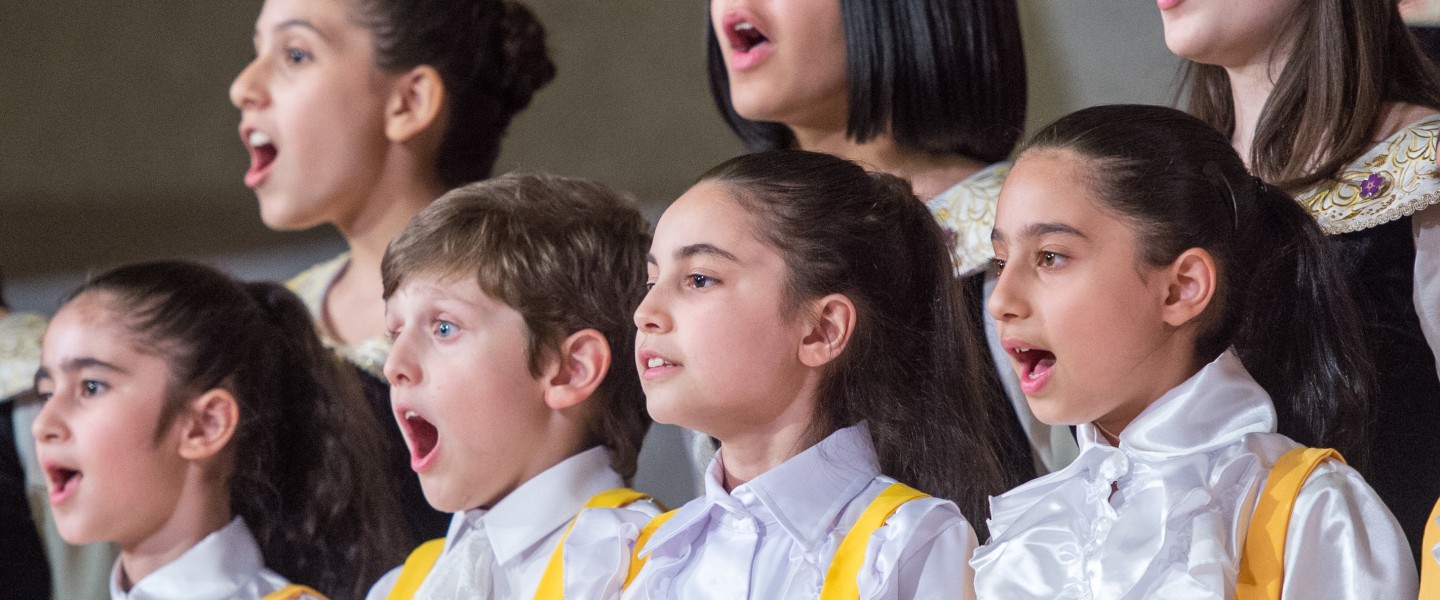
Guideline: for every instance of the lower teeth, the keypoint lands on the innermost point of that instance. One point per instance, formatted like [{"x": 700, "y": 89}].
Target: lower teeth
[{"x": 1033, "y": 376}]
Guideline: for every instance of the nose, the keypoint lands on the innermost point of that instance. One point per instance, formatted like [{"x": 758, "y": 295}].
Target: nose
[
  {"x": 247, "y": 91},
  {"x": 48, "y": 426},
  {"x": 401, "y": 368},
  {"x": 1006, "y": 301},
  {"x": 651, "y": 316}
]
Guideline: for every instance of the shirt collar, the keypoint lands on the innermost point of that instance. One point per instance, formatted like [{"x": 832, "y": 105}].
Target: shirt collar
[
  {"x": 215, "y": 568},
  {"x": 1215, "y": 407},
  {"x": 545, "y": 503},
  {"x": 804, "y": 495}
]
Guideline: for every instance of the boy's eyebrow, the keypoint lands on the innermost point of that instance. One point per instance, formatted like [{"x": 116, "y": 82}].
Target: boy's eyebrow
[{"x": 1038, "y": 229}]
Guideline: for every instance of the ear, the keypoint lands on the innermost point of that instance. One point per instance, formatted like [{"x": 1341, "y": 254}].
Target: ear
[
  {"x": 580, "y": 365},
  {"x": 416, "y": 99},
  {"x": 1190, "y": 285},
  {"x": 829, "y": 331},
  {"x": 208, "y": 425}
]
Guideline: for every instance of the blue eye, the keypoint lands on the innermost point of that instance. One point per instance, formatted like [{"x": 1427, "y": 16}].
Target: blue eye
[
  {"x": 444, "y": 329},
  {"x": 296, "y": 56},
  {"x": 90, "y": 387}
]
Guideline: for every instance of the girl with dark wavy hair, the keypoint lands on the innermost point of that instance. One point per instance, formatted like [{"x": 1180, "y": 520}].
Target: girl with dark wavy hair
[{"x": 198, "y": 423}]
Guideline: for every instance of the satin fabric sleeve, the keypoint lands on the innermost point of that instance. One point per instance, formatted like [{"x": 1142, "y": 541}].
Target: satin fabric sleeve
[
  {"x": 598, "y": 550},
  {"x": 923, "y": 552},
  {"x": 1343, "y": 543},
  {"x": 381, "y": 589},
  {"x": 1426, "y": 226}
]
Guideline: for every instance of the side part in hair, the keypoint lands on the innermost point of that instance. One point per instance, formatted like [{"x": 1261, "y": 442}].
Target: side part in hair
[
  {"x": 940, "y": 76},
  {"x": 307, "y": 453},
  {"x": 1281, "y": 302},
  {"x": 567, "y": 254},
  {"x": 913, "y": 370},
  {"x": 491, "y": 57}
]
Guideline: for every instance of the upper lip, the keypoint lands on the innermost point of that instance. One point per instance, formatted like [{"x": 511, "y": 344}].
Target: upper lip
[
  {"x": 1016, "y": 346},
  {"x": 646, "y": 354}
]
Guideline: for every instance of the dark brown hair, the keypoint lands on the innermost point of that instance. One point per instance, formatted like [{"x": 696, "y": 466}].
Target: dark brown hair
[
  {"x": 567, "y": 254},
  {"x": 307, "y": 474},
  {"x": 491, "y": 56},
  {"x": 914, "y": 369},
  {"x": 1350, "y": 58},
  {"x": 1280, "y": 300},
  {"x": 941, "y": 76}
]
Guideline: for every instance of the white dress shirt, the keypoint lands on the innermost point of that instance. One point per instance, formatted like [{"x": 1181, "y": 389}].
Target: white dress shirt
[
  {"x": 225, "y": 565},
  {"x": 1186, "y": 476},
  {"x": 775, "y": 536},
  {"x": 523, "y": 529}
]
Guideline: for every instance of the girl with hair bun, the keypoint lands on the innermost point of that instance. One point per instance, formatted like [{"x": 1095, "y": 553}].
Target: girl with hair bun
[{"x": 359, "y": 113}]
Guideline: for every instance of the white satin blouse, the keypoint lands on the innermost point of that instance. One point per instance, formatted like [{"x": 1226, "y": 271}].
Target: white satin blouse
[
  {"x": 1185, "y": 477},
  {"x": 225, "y": 565},
  {"x": 774, "y": 536}
]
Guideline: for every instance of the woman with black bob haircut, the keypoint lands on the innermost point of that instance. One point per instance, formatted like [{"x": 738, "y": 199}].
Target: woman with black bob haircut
[{"x": 932, "y": 91}]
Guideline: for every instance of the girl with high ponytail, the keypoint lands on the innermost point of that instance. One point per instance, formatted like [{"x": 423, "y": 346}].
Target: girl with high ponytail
[
  {"x": 1191, "y": 323},
  {"x": 804, "y": 313},
  {"x": 193, "y": 420},
  {"x": 360, "y": 113}
]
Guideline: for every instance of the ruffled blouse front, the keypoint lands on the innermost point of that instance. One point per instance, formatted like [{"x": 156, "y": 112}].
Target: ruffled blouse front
[{"x": 1164, "y": 515}]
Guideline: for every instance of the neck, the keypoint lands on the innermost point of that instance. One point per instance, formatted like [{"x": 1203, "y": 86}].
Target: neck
[
  {"x": 390, "y": 207},
  {"x": 750, "y": 449},
  {"x": 196, "y": 515},
  {"x": 929, "y": 174},
  {"x": 1154, "y": 373},
  {"x": 1251, "y": 83}
]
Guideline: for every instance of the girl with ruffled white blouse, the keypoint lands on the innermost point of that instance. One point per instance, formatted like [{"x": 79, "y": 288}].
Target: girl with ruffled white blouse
[
  {"x": 802, "y": 312},
  {"x": 1187, "y": 319}
]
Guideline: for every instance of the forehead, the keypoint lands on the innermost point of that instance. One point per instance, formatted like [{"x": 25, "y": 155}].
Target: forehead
[
  {"x": 709, "y": 213},
  {"x": 88, "y": 325},
  {"x": 1048, "y": 185},
  {"x": 328, "y": 17}
]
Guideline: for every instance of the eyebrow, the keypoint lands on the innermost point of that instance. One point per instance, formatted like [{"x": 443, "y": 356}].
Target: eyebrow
[
  {"x": 1035, "y": 230},
  {"x": 76, "y": 364},
  {"x": 701, "y": 249},
  {"x": 301, "y": 23}
]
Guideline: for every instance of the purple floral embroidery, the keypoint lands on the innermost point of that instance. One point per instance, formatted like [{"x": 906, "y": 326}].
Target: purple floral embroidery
[
  {"x": 949, "y": 235},
  {"x": 1370, "y": 188}
]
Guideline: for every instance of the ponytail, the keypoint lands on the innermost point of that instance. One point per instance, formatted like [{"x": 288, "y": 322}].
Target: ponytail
[
  {"x": 1280, "y": 301},
  {"x": 306, "y": 451},
  {"x": 913, "y": 370}
]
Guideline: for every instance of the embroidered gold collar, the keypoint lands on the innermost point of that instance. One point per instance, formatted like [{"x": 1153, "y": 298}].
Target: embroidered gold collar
[{"x": 1395, "y": 179}]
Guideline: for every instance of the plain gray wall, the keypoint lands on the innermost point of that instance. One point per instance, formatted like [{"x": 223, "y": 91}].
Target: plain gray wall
[{"x": 118, "y": 141}]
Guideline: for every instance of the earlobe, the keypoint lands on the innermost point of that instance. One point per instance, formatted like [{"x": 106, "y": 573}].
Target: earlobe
[
  {"x": 209, "y": 424},
  {"x": 830, "y": 330},
  {"x": 415, "y": 104},
  {"x": 1191, "y": 286},
  {"x": 580, "y": 366}
]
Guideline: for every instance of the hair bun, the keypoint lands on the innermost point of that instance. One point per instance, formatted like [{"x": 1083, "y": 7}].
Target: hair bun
[{"x": 527, "y": 66}]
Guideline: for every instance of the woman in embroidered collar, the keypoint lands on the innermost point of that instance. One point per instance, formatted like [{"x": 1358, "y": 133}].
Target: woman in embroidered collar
[
  {"x": 1333, "y": 101},
  {"x": 803, "y": 312},
  {"x": 1138, "y": 293},
  {"x": 194, "y": 421}
]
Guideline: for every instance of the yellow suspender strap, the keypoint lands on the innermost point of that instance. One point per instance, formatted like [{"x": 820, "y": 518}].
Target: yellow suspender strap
[
  {"x": 1262, "y": 562},
  {"x": 293, "y": 592},
  {"x": 552, "y": 584},
  {"x": 1429, "y": 559},
  {"x": 417, "y": 566},
  {"x": 637, "y": 562},
  {"x": 840, "y": 580}
]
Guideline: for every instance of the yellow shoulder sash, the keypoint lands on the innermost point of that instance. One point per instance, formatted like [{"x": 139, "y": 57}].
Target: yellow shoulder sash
[
  {"x": 1429, "y": 560},
  {"x": 552, "y": 584},
  {"x": 293, "y": 592},
  {"x": 1262, "y": 561},
  {"x": 417, "y": 566}
]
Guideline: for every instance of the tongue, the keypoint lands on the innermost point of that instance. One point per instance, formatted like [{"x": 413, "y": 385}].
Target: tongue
[{"x": 1044, "y": 364}]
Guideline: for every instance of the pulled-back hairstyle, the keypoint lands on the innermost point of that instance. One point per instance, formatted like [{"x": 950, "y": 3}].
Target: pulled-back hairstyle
[
  {"x": 1350, "y": 58},
  {"x": 914, "y": 368},
  {"x": 307, "y": 452},
  {"x": 1280, "y": 300},
  {"x": 940, "y": 76},
  {"x": 567, "y": 254},
  {"x": 491, "y": 56}
]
